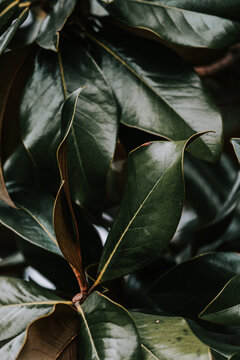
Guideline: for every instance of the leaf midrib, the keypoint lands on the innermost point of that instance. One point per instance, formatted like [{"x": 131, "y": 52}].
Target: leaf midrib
[
  {"x": 124, "y": 63},
  {"x": 53, "y": 302},
  {"x": 130, "y": 223}
]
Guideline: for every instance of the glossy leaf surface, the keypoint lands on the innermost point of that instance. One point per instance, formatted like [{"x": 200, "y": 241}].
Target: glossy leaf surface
[
  {"x": 21, "y": 302},
  {"x": 150, "y": 210},
  {"x": 168, "y": 338},
  {"x": 33, "y": 219},
  {"x": 7, "y": 36},
  {"x": 107, "y": 331},
  {"x": 65, "y": 225},
  {"x": 225, "y": 307},
  {"x": 48, "y": 36},
  {"x": 178, "y": 292},
  {"x": 176, "y": 25},
  {"x": 95, "y": 124},
  {"x": 8, "y": 11},
  {"x": 159, "y": 93}
]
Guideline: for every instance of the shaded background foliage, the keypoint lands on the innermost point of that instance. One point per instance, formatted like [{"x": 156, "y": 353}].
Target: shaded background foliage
[{"x": 118, "y": 180}]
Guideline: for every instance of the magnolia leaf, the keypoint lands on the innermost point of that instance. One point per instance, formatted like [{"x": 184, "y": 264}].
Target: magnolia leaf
[
  {"x": 21, "y": 303},
  {"x": 165, "y": 96},
  {"x": 107, "y": 331},
  {"x": 225, "y": 307},
  {"x": 8, "y": 12},
  {"x": 7, "y": 36},
  {"x": 236, "y": 145},
  {"x": 168, "y": 338},
  {"x": 177, "y": 291},
  {"x": 52, "y": 336},
  {"x": 176, "y": 24},
  {"x": 218, "y": 338},
  {"x": 65, "y": 225},
  {"x": 48, "y": 36},
  {"x": 94, "y": 127},
  {"x": 10, "y": 64},
  {"x": 150, "y": 210},
  {"x": 33, "y": 220}
]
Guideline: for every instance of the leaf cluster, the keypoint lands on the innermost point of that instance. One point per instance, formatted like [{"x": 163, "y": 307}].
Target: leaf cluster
[{"x": 116, "y": 186}]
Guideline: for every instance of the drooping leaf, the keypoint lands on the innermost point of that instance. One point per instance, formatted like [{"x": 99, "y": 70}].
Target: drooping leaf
[
  {"x": 21, "y": 302},
  {"x": 65, "y": 225},
  {"x": 236, "y": 145},
  {"x": 225, "y": 307},
  {"x": 150, "y": 210},
  {"x": 107, "y": 331},
  {"x": 52, "y": 336},
  {"x": 33, "y": 219},
  {"x": 159, "y": 93},
  {"x": 7, "y": 36},
  {"x": 48, "y": 36},
  {"x": 168, "y": 338},
  {"x": 188, "y": 287},
  {"x": 176, "y": 24}
]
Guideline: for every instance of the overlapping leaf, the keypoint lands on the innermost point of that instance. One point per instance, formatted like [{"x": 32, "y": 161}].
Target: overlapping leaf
[
  {"x": 159, "y": 93},
  {"x": 181, "y": 23},
  {"x": 8, "y": 12},
  {"x": 150, "y": 210},
  {"x": 94, "y": 127},
  {"x": 48, "y": 36},
  {"x": 33, "y": 219},
  {"x": 52, "y": 336},
  {"x": 225, "y": 308},
  {"x": 20, "y": 304},
  {"x": 168, "y": 338},
  {"x": 65, "y": 225},
  {"x": 7, "y": 36},
  {"x": 107, "y": 331},
  {"x": 179, "y": 293}
]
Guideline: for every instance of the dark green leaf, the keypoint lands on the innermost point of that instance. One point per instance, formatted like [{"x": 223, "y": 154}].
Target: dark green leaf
[
  {"x": 54, "y": 21},
  {"x": 168, "y": 338},
  {"x": 159, "y": 93},
  {"x": 33, "y": 219},
  {"x": 176, "y": 25},
  {"x": 150, "y": 210},
  {"x": 21, "y": 302},
  {"x": 222, "y": 339},
  {"x": 187, "y": 288},
  {"x": 107, "y": 331},
  {"x": 225, "y": 307},
  {"x": 7, "y": 36},
  {"x": 8, "y": 11},
  {"x": 94, "y": 127}
]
